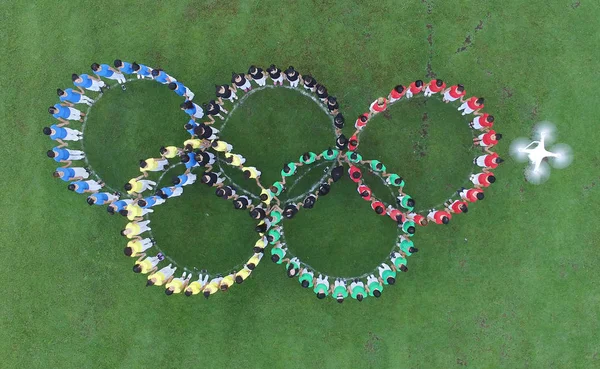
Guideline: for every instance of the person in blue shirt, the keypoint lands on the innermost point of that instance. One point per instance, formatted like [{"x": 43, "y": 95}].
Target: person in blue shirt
[
  {"x": 150, "y": 201},
  {"x": 124, "y": 67},
  {"x": 88, "y": 82},
  {"x": 190, "y": 126},
  {"x": 160, "y": 76},
  {"x": 141, "y": 70},
  {"x": 71, "y": 174},
  {"x": 74, "y": 97},
  {"x": 117, "y": 206},
  {"x": 65, "y": 113},
  {"x": 181, "y": 90},
  {"x": 65, "y": 156},
  {"x": 89, "y": 186},
  {"x": 166, "y": 192},
  {"x": 102, "y": 198},
  {"x": 58, "y": 133},
  {"x": 184, "y": 179},
  {"x": 189, "y": 159},
  {"x": 191, "y": 109},
  {"x": 108, "y": 72}
]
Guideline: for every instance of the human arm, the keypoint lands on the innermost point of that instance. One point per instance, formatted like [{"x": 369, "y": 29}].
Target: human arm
[
  {"x": 69, "y": 162},
  {"x": 62, "y": 143}
]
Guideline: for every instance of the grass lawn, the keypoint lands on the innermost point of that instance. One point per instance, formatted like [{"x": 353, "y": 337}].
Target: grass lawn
[{"x": 512, "y": 284}]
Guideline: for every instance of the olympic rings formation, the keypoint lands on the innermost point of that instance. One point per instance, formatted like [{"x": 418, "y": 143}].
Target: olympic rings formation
[{"x": 195, "y": 153}]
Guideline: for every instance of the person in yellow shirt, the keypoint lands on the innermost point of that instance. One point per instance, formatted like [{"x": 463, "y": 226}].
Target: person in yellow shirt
[
  {"x": 252, "y": 173},
  {"x": 177, "y": 285},
  {"x": 133, "y": 229},
  {"x": 260, "y": 245},
  {"x": 192, "y": 144},
  {"x": 146, "y": 265},
  {"x": 242, "y": 274},
  {"x": 212, "y": 287},
  {"x": 221, "y": 146},
  {"x": 164, "y": 275},
  {"x": 235, "y": 160},
  {"x": 254, "y": 260},
  {"x": 170, "y": 152},
  {"x": 227, "y": 282},
  {"x": 153, "y": 165},
  {"x": 134, "y": 212},
  {"x": 137, "y": 247},
  {"x": 138, "y": 185},
  {"x": 196, "y": 287}
]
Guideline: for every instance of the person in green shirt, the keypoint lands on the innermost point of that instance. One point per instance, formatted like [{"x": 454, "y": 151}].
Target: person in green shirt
[
  {"x": 293, "y": 267},
  {"x": 308, "y": 158},
  {"x": 353, "y": 157},
  {"x": 339, "y": 291},
  {"x": 277, "y": 188},
  {"x": 408, "y": 227},
  {"x": 275, "y": 214},
  {"x": 376, "y": 166},
  {"x": 288, "y": 170},
  {"x": 399, "y": 262},
  {"x": 394, "y": 179},
  {"x": 407, "y": 246},
  {"x": 405, "y": 201},
  {"x": 274, "y": 235},
  {"x": 374, "y": 286},
  {"x": 357, "y": 290},
  {"x": 321, "y": 287},
  {"x": 329, "y": 154},
  {"x": 278, "y": 254},
  {"x": 387, "y": 273},
  {"x": 306, "y": 278}
]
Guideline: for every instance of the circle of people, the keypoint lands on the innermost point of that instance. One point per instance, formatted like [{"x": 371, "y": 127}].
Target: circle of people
[{"x": 269, "y": 212}]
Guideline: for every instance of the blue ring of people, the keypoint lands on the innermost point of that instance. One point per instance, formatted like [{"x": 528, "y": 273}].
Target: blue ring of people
[{"x": 204, "y": 148}]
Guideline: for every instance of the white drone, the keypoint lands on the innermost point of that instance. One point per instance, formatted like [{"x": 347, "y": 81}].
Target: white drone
[{"x": 539, "y": 171}]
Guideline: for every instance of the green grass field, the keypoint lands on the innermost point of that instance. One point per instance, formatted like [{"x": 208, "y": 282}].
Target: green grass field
[{"x": 513, "y": 284}]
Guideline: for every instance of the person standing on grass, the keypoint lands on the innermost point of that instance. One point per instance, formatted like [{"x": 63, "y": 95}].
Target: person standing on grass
[
  {"x": 71, "y": 174},
  {"x": 212, "y": 286},
  {"x": 138, "y": 185},
  {"x": 106, "y": 71},
  {"x": 307, "y": 158},
  {"x": 361, "y": 122},
  {"x": 212, "y": 179},
  {"x": 332, "y": 105},
  {"x": 321, "y": 92},
  {"x": 242, "y": 275},
  {"x": 293, "y": 267},
  {"x": 398, "y": 262},
  {"x": 206, "y": 132},
  {"x": 153, "y": 165},
  {"x": 204, "y": 159},
  {"x": 434, "y": 86},
  {"x": 161, "y": 277},
  {"x": 257, "y": 75},
  {"x": 192, "y": 109},
  {"x": 275, "y": 74},
  {"x": 471, "y": 195},
  {"x": 482, "y": 122},
  {"x": 487, "y": 140},
  {"x": 341, "y": 142},
  {"x": 439, "y": 216},
  {"x": 226, "y": 92},
  {"x": 147, "y": 265},
  {"x": 137, "y": 247},
  {"x": 378, "y": 106},
  {"x": 196, "y": 287},
  {"x": 254, "y": 260},
  {"x": 161, "y": 76},
  {"x": 150, "y": 201},
  {"x": 235, "y": 160},
  {"x": 329, "y": 154},
  {"x": 134, "y": 229},
  {"x": 309, "y": 83},
  {"x": 65, "y": 155},
  {"x": 184, "y": 179},
  {"x": 227, "y": 282},
  {"x": 278, "y": 252},
  {"x": 387, "y": 274},
  {"x": 338, "y": 123},
  {"x": 405, "y": 201},
  {"x": 288, "y": 170},
  {"x": 417, "y": 219},
  {"x": 212, "y": 110},
  {"x": 134, "y": 212},
  {"x": 252, "y": 173},
  {"x": 396, "y": 94},
  {"x": 226, "y": 192},
  {"x": 65, "y": 113},
  {"x": 364, "y": 191},
  {"x": 378, "y": 207},
  {"x": 292, "y": 76},
  {"x": 88, "y": 82},
  {"x": 393, "y": 179},
  {"x": 376, "y": 166},
  {"x": 88, "y": 186},
  {"x": 357, "y": 290},
  {"x": 177, "y": 285},
  {"x": 306, "y": 278},
  {"x": 74, "y": 97},
  {"x": 355, "y": 174},
  {"x": 58, "y": 134},
  {"x": 473, "y": 105},
  {"x": 395, "y": 214},
  {"x": 406, "y": 245},
  {"x": 117, "y": 206},
  {"x": 414, "y": 88},
  {"x": 374, "y": 286},
  {"x": 141, "y": 70},
  {"x": 102, "y": 198},
  {"x": 484, "y": 179},
  {"x": 168, "y": 192},
  {"x": 322, "y": 287},
  {"x": 488, "y": 162},
  {"x": 339, "y": 291},
  {"x": 456, "y": 206},
  {"x": 454, "y": 93},
  {"x": 170, "y": 152},
  {"x": 181, "y": 90},
  {"x": 221, "y": 146},
  {"x": 240, "y": 81}
]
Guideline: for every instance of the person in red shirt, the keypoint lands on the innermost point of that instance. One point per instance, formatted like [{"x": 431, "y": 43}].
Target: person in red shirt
[
  {"x": 482, "y": 122},
  {"x": 362, "y": 121},
  {"x": 378, "y": 106},
  {"x": 414, "y": 88},
  {"x": 355, "y": 174},
  {"x": 454, "y": 93},
  {"x": 472, "y": 105},
  {"x": 396, "y": 214},
  {"x": 456, "y": 206},
  {"x": 484, "y": 179},
  {"x": 365, "y": 192},
  {"x": 434, "y": 86},
  {"x": 439, "y": 216},
  {"x": 378, "y": 206},
  {"x": 487, "y": 140},
  {"x": 353, "y": 142},
  {"x": 396, "y": 94},
  {"x": 488, "y": 162},
  {"x": 417, "y": 218},
  {"x": 471, "y": 195}
]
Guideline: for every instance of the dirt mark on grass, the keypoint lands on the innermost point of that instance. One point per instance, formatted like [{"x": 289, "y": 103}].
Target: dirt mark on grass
[
  {"x": 462, "y": 362},
  {"x": 429, "y": 5},
  {"x": 371, "y": 346},
  {"x": 469, "y": 38},
  {"x": 429, "y": 67},
  {"x": 591, "y": 185},
  {"x": 576, "y": 4}
]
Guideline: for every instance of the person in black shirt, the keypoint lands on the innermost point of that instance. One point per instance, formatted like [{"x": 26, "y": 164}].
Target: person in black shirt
[
  {"x": 257, "y": 212},
  {"x": 293, "y": 76},
  {"x": 212, "y": 179},
  {"x": 321, "y": 92},
  {"x": 341, "y": 142},
  {"x": 226, "y": 192},
  {"x": 241, "y": 202},
  {"x": 212, "y": 109},
  {"x": 240, "y": 81},
  {"x": 309, "y": 201},
  {"x": 309, "y": 83},
  {"x": 290, "y": 210},
  {"x": 205, "y": 159},
  {"x": 338, "y": 122},
  {"x": 275, "y": 74},
  {"x": 206, "y": 132},
  {"x": 337, "y": 173},
  {"x": 225, "y": 92},
  {"x": 325, "y": 187},
  {"x": 257, "y": 75},
  {"x": 332, "y": 105}
]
